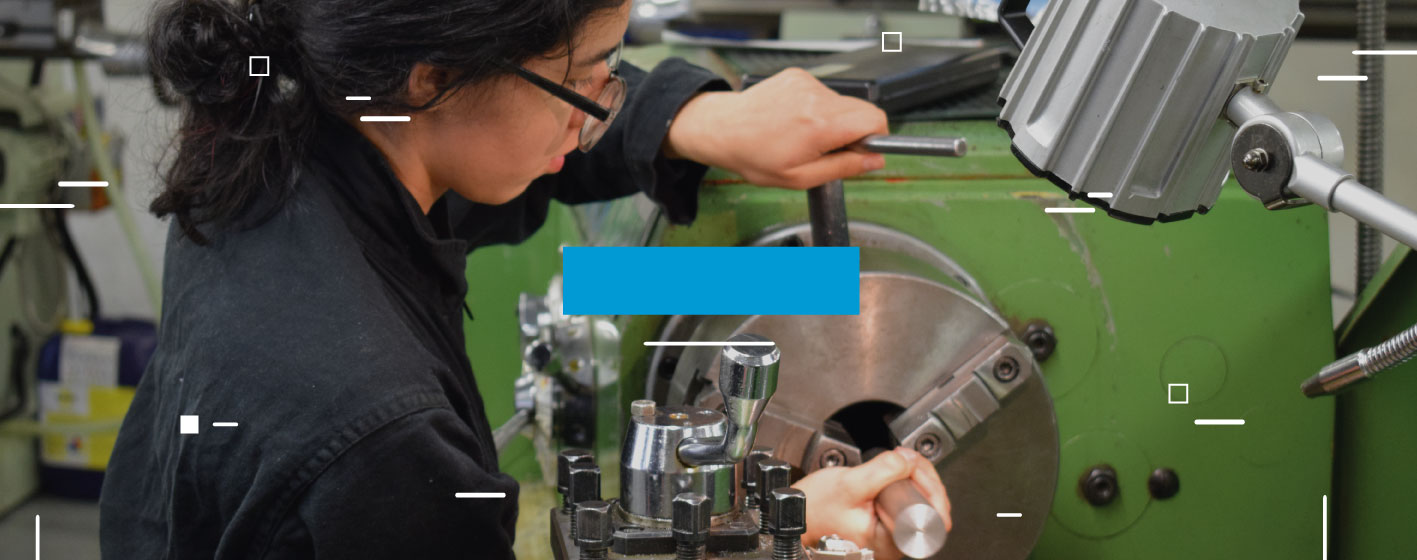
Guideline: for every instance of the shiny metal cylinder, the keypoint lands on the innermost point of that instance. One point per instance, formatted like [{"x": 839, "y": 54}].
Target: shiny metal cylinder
[
  {"x": 651, "y": 474},
  {"x": 747, "y": 379},
  {"x": 914, "y": 145},
  {"x": 919, "y": 529}
]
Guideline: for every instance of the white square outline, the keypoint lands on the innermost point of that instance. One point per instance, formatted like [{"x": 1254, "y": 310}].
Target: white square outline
[
  {"x": 251, "y": 65},
  {"x": 1184, "y": 400},
  {"x": 188, "y": 424},
  {"x": 896, "y": 33}
]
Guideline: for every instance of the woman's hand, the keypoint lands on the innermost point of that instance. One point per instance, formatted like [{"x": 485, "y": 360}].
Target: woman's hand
[
  {"x": 841, "y": 500},
  {"x": 780, "y": 132}
]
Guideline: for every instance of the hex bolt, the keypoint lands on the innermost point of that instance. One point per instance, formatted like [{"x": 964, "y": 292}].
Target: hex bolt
[
  {"x": 1163, "y": 483},
  {"x": 789, "y": 522},
  {"x": 584, "y": 487},
  {"x": 1006, "y": 369},
  {"x": 596, "y": 531},
  {"x": 750, "y": 474},
  {"x": 928, "y": 445},
  {"x": 564, "y": 460},
  {"x": 1099, "y": 485},
  {"x": 642, "y": 407},
  {"x": 831, "y": 458},
  {"x": 690, "y": 521},
  {"x": 1256, "y": 160},
  {"x": 772, "y": 475},
  {"x": 1041, "y": 341}
]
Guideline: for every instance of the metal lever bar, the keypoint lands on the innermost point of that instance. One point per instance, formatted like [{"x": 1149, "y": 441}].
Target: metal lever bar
[{"x": 826, "y": 205}]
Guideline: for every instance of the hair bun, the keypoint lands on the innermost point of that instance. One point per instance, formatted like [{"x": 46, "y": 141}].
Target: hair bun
[{"x": 200, "y": 48}]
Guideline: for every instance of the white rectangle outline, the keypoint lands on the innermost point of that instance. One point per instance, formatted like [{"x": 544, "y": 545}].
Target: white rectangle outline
[
  {"x": 251, "y": 66},
  {"x": 896, "y": 33},
  {"x": 1188, "y": 393}
]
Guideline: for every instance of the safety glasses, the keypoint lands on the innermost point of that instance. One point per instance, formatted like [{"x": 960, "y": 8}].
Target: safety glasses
[{"x": 601, "y": 111}]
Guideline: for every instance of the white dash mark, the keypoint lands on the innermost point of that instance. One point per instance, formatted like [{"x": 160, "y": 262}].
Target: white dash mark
[{"x": 1204, "y": 422}]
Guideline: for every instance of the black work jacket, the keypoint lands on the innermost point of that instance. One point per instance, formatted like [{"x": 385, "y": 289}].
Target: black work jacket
[{"x": 332, "y": 333}]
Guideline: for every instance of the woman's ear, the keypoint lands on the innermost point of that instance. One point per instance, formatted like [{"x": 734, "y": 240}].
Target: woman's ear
[{"x": 424, "y": 83}]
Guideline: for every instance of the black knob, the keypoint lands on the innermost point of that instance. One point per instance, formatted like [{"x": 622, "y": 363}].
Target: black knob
[
  {"x": 1099, "y": 485},
  {"x": 750, "y": 473},
  {"x": 772, "y": 474},
  {"x": 789, "y": 522},
  {"x": 585, "y": 487},
  {"x": 691, "y": 518},
  {"x": 564, "y": 460},
  {"x": 1163, "y": 483},
  {"x": 585, "y": 482},
  {"x": 596, "y": 532}
]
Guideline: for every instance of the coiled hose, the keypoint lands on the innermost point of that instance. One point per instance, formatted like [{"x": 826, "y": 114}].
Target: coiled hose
[
  {"x": 1372, "y": 35},
  {"x": 1362, "y": 365}
]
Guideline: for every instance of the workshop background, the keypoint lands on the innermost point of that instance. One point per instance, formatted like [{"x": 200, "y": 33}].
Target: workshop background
[{"x": 129, "y": 107}]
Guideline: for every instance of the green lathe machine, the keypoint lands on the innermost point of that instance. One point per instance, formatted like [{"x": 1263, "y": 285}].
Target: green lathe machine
[{"x": 1142, "y": 336}]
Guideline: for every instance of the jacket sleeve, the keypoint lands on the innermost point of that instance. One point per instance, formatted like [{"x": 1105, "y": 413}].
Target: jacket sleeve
[
  {"x": 391, "y": 495},
  {"x": 627, "y": 160}
]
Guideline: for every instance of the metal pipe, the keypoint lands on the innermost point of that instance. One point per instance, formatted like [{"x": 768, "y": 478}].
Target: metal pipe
[
  {"x": 919, "y": 529},
  {"x": 1336, "y": 190},
  {"x": 1372, "y": 35},
  {"x": 826, "y": 207},
  {"x": 913, "y": 145},
  {"x": 1362, "y": 365}
]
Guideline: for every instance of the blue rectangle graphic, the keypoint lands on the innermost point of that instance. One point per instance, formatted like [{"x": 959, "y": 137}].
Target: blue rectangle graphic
[{"x": 711, "y": 280}]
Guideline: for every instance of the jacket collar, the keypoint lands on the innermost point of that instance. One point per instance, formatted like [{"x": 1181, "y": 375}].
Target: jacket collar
[{"x": 385, "y": 216}]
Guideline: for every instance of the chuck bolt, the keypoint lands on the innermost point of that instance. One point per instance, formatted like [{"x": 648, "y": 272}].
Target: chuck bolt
[
  {"x": 564, "y": 460},
  {"x": 596, "y": 533},
  {"x": 772, "y": 475},
  {"x": 789, "y": 522},
  {"x": 585, "y": 487},
  {"x": 691, "y": 526},
  {"x": 1099, "y": 485}
]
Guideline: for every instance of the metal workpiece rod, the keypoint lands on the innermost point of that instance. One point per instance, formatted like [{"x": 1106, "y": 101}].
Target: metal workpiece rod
[
  {"x": 747, "y": 378},
  {"x": 913, "y": 145},
  {"x": 505, "y": 433},
  {"x": 1362, "y": 365},
  {"x": 919, "y": 529},
  {"x": 1372, "y": 36},
  {"x": 1337, "y": 190},
  {"x": 826, "y": 207},
  {"x": 1248, "y": 104}
]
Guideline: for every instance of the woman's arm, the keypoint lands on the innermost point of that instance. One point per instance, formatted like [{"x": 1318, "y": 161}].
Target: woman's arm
[{"x": 391, "y": 495}]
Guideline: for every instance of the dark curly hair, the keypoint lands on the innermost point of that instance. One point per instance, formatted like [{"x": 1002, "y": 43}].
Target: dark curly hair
[{"x": 243, "y": 138}]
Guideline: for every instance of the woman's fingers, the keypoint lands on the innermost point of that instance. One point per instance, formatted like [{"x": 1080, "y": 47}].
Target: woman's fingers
[
  {"x": 874, "y": 475},
  {"x": 927, "y": 480},
  {"x": 830, "y": 167}
]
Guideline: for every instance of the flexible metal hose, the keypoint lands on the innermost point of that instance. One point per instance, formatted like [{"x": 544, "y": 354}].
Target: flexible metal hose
[
  {"x": 1396, "y": 350},
  {"x": 1372, "y": 35},
  {"x": 1362, "y": 365}
]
